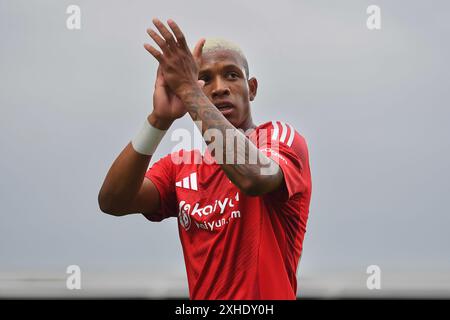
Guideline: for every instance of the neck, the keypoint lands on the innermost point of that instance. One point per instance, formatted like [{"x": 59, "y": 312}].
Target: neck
[{"x": 247, "y": 124}]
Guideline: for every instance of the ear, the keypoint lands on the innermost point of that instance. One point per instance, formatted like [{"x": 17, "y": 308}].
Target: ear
[{"x": 252, "y": 88}]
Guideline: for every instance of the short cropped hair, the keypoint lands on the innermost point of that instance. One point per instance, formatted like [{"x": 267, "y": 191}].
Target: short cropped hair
[{"x": 218, "y": 44}]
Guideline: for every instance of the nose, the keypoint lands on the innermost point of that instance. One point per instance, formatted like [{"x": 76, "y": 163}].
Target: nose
[{"x": 220, "y": 88}]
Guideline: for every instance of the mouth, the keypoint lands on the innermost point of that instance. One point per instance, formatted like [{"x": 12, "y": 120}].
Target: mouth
[{"x": 224, "y": 106}]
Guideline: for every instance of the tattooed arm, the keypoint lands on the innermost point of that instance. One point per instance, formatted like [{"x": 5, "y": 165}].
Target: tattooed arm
[{"x": 246, "y": 166}]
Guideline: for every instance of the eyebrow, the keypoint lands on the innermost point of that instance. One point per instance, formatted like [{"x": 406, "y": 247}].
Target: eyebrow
[{"x": 227, "y": 66}]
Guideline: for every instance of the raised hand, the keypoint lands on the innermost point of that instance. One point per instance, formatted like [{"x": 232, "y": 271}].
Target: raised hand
[
  {"x": 166, "y": 105},
  {"x": 178, "y": 65}
]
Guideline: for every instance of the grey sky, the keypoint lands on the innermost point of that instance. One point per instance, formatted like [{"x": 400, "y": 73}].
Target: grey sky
[{"x": 373, "y": 106}]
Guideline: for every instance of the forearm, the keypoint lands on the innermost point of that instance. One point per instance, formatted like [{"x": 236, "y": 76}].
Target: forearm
[
  {"x": 240, "y": 159},
  {"x": 123, "y": 179},
  {"x": 126, "y": 174}
]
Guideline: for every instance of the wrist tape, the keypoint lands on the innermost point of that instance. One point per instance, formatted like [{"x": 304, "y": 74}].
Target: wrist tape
[{"x": 147, "y": 139}]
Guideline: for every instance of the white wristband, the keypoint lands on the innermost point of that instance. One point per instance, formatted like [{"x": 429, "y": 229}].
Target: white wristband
[{"x": 147, "y": 139}]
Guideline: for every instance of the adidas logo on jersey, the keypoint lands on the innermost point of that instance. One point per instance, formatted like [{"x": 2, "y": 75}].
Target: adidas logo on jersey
[{"x": 190, "y": 182}]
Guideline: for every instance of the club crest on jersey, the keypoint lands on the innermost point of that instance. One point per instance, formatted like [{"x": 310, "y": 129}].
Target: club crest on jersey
[{"x": 183, "y": 215}]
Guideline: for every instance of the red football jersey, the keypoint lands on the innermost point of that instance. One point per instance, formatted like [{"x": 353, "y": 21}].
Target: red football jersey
[{"x": 237, "y": 246}]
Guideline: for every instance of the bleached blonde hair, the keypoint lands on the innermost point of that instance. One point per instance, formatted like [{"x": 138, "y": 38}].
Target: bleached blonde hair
[{"x": 218, "y": 44}]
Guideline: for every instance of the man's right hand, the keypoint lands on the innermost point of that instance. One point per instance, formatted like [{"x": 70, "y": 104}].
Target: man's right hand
[{"x": 167, "y": 107}]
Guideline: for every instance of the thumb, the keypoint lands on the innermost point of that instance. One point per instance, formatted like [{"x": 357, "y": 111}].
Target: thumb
[
  {"x": 160, "y": 81},
  {"x": 197, "y": 53},
  {"x": 201, "y": 83}
]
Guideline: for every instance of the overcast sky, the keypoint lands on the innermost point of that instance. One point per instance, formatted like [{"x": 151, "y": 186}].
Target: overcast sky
[{"x": 372, "y": 105}]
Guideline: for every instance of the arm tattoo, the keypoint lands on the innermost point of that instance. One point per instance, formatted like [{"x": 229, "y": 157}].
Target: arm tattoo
[{"x": 241, "y": 159}]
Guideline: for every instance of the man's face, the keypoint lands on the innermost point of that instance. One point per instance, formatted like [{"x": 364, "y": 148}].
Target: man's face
[{"x": 226, "y": 85}]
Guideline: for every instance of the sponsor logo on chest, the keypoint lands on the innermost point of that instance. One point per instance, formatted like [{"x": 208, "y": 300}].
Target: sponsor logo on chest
[{"x": 202, "y": 214}]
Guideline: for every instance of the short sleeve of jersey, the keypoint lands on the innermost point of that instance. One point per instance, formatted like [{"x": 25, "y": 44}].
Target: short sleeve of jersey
[
  {"x": 284, "y": 145},
  {"x": 162, "y": 174}
]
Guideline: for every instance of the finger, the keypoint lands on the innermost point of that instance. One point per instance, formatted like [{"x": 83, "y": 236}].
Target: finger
[
  {"x": 197, "y": 53},
  {"x": 158, "y": 55},
  {"x": 159, "y": 41},
  {"x": 167, "y": 35},
  {"x": 178, "y": 34}
]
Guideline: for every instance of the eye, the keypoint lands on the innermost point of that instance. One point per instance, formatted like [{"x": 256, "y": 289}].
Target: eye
[
  {"x": 232, "y": 75},
  {"x": 204, "y": 78}
]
